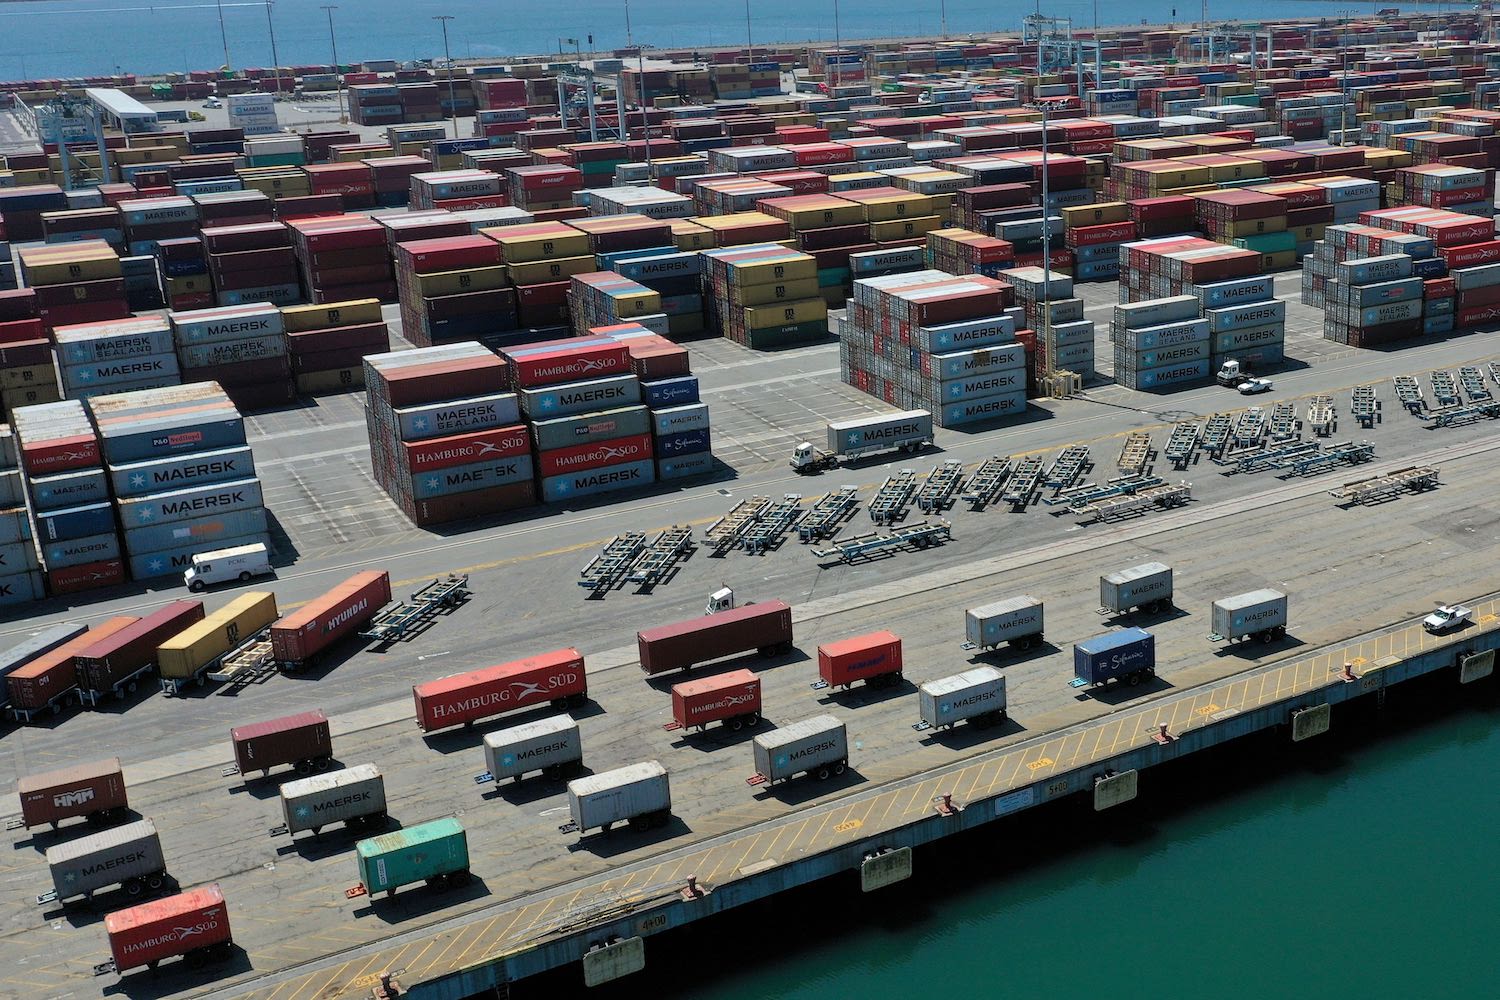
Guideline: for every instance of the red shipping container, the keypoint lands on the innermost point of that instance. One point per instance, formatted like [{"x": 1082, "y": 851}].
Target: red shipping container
[
  {"x": 95, "y": 790},
  {"x": 570, "y": 364},
  {"x": 1471, "y": 254},
  {"x": 1475, "y": 297},
  {"x": 733, "y": 697},
  {"x": 1465, "y": 317},
  {"x": 300, "y": 636},
  {"x": 864, "y": 657},
  {"x": 444, "y": 380},
  {"x": 451, "y": 253},
  {"x": 464, "y": 449},
  {"x": 558, "y": 677},
  {"x": 89, "y": 576},
  {"x": 1113, "y": 232},
  {"x": 302, "y": 739},
  {"x": 18, "y": 303},
  {"x": 583, "y": 457},
  {"x": 765, "y": 627},
  {"x": 474, "y": 503},
  {"x": 76, "y": 292},
  {"x": 189, "y": 922},
  {"x": 106, "y": 663},
  {"x": 1438, "y": 288},
  {"x": 53, "y": 674},
  {"x": 19, "y": 330},
  {"x": 26, "y": 354}
]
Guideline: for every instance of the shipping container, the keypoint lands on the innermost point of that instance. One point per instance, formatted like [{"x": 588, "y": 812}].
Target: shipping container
[
  {"x": 733, "y": 698},
  {"x": 301, "y": 740},
  {"x": 194, "y": 924},
  {"x": 1017, "y": 621},
  {"x": 874, "y": 659},
  {"x": 95, "y": 790},
  {"x": 765, "y": 627},
  {"x": 910, "y": 430},
  {"x": 187, "y": 656},
  {"x": 558, "y": 678},
  {"x": 818, "y": 746},
  {"x": 1261, "y": 613},
  {"x": 23, "y": 652},
  {"x": 112, "y": 665},
  {"x": 977, "y": 694},
  {"x": 436, "y": 853},
  {"x": 354, "y": 796},
  {"x": 1147, "y": 586},
  {"x": 1129, "y": 655},
  {"x": 639, "y": 794},
  {"x": 298, "y": 638},
  {"x": 552, "y": 746},
  {"x": 129, "y": 856},
  {"x": 46, "y": 681}
]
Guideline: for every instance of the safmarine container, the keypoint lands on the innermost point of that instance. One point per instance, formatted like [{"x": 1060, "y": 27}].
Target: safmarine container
[
  {"x": 547, "y": 745},
  {"x": 128, "y": 855},
  {"x": 977, "y": 694},
  {"x": 1148, "y": 585},
  {"x": 354, "y": 796},
  {"x": 95, "y": 790},
  {"x": 637, "y": 793},
  {"x": 1129, "y": 654},
  {"x": 818, "y": 746},
  {"x": 435, "y": 852}
]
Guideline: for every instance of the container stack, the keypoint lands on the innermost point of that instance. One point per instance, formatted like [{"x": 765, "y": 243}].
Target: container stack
[
  {"x": 182, "y": 274},
  {"x": 1372, "y": 301},
  {"x": 252, "y": 263},
  {"x": 1065, "y": 340},
  {"x": 542, "y": 188},
  {"x": 1439, "y": 185},
  {"x": 1356, "y": 242},
  {"x": 829, "y": 229},
  {"x": 1160, "y": 344},
  {"x": 150, "y": 219},
  {"x": 764, "y": 295},
  {"x": 1162, "y": 268},
  {"x": 241, "y": 348},
  {"x": 541, "y": 258},
  {"x": 604, "y": 298},
  {"x": 327, "y": 344},
  {"x": 930, "y": 340},
  {"x": 1094, "y": 233},
  {"x": 445, "y": 436},
  {"x": 343, "y": 257},
  {"x": 675, "y": 276},
  {"x": 27, "y": 376},
  {"x": 74, "y": 282},
  {"x": 73, "y": 520},
  {"x": 351, "y": 182},
  {"x": 20, "y": 571},
  {"x": 1251, "y": 220},
  {"x": 455, "y": 189},
  {"x": 1246, "y": 320},
  {"x": 455, "y": 288},
  {"x": 118, "y": 356}
]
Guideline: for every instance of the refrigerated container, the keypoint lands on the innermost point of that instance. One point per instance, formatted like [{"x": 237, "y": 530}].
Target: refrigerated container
[
  {"x": 436, "y": 853},
  {"x": 354, "y": 796},
  {"x": 1147, "y": 586},
  {"x": 733, "y": 698},
  {"x": 817, "y": 746},
  {"x": 1128, "y": 655},
  {"x": 95, "y": 790},
  {"x": 128, "y": 856},
  {"x": 193, "y": 924},
  {"x": 874, "y": 658},
  {"x": 186, "y": 657},
  {"x": 765, "y": 627},
  {"x": 302, "y": 635},
  {"x": 1016, "y": 620},
  {"x": 114, "y": 664},
  {"x": 1261, "y": 613},
  {"x": 977, "y": 694},
  {"x": 638, "y": 794},
  {"x": 301, "y": 740},
  {"x": 552, "y": 746},
  {"x": 557, "y": 678}
]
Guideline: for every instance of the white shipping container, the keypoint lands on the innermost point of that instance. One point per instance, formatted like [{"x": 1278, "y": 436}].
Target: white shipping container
[
  {"x": 1148, "y": 583},
  {"x": 1017, "y": 620},
  {"x": 639, "y": 793},
  {"x": 346, "y": 796},
  {"x": 974, "y": 694},
  {"x": 123, "y": 855},
  {"x": 544, "y": 745},
  {"x": 819, "y": 745}
]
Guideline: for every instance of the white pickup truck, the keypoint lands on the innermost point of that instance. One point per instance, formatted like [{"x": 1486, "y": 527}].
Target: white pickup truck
[{"x": 1447, "y": 617}]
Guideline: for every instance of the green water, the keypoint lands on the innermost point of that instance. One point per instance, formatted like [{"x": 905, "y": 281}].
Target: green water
[{"x": 1371, "y": 873}]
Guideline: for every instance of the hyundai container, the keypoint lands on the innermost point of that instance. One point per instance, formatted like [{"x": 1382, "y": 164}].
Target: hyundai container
[
  {"x": 765, "y": 627},
  {"x": 1128, "y": 655},
  {"x": 301, "y": 740},
  {"x": 436, "y": 853},
  {"x": 300, "y": 636},
  {"x": 1016, "y": 620},
  {"x": 874, "y": 659},
  {"x": 1261, "y": 613},
  {"x": 129, "y": 856},
  {"x": 95, "y": 790},
  {"x": 977, "y": 694},
  {"x": 732, "y": 698},
  {"x": 638, "y": 794},
  {"x": 817, "y": 746},
  {"x": 113, "y": 664},
  {"x": 194, "y": 924},
  {"x": 1147, "y": 586},
  {"x": 354, "y": 796},
  {"x": 557, "y": 678},
  {"x": 552, "y": 746}
]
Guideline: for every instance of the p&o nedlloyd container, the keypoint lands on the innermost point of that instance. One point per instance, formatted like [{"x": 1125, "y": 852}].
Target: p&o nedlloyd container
[
  {"x": 637, "y": 793},
  {"x": 818, "y": 746},
  {"x": 1148, "y": 586},
  {"x": 1261, "y": 613},
  {"x": 1015, "y": 620},
  {"x": 977, "y": 694},
  {"x": 128, "y": 855},
  {"x": 354, "y": 796},
  {"x": 192, "y": 923},
  {"x": 552, "y": 746},
  {"x": 95, "y": 790}
]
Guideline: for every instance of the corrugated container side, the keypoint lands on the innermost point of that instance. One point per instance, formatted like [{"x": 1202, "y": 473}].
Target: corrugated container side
[
  {"x": 532, "y": 746},
  {"x": 325, "y": 620},
  {"x": 163, "y": 928},
  {"x": 80, "y": 790}
]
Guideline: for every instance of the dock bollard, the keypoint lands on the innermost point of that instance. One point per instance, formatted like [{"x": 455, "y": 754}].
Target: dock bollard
[
  {"x": 1161, "y": 735},
  {"x": 1347, "y": 674}
]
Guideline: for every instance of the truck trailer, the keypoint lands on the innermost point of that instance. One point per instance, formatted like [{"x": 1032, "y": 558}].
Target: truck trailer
[
  {"x": 1258, "y": 613},
  {"x": 95, "y": 790},
  {"x": 765, "y": 627},
  {"x": 552, "y": 746},
  {"x": 303, "y": 635},
  {"x": 354, "y": 796},
  {"x": 187, "y": 657},
  {"x": 436, "y": 853},
  {"x": 732, "y": 698},
  {"x": 128, "y": 856},
  {"x": 908, "y": 431},
  {"x": 114, "y": 664},
  {"x": 977, "y": 695},
  {"x": 557, "y": 678},
  {"x": 818, "y": 746},
  {"x": 1147, "y": 586},
  {"x": 638, "y": 794},
  {"x": 192, "y": 924},
  {"x": 1128, "y": 654},
  {"x": 1016, "y": 621},
  {"x": 301, "y": 740},
  {"x": 28, "y": 649},
  {"x": 874, "y": 658}
]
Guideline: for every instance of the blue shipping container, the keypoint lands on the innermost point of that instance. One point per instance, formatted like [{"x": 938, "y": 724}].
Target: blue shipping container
[
  {"x": 157, "y": 440},
  {"x": 69, "y": 489},
  {"x": 94, "y": 548},
  {"x": 1005, "y": 404},
  {"x": 75, "y": 522},
  {"x": 683, "y": 466},
  {"x": 202, "y": 533},
  {"x": 1128, "y": 653},
  {"x": 605, "y": 480},
  {"x": 670, "y": 392},
  {"x": 685, "y": 443}
]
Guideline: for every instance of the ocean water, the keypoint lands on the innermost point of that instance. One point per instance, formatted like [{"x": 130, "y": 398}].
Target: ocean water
[{"x": 41, "y": 38}]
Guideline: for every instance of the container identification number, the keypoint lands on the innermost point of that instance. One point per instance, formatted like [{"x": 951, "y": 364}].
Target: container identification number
[{"x": 1039, "y": 763}]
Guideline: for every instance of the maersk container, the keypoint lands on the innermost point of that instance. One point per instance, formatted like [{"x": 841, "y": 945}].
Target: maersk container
[
  {"x": 909, "y": 430},
  {"x": 1128, "y": 654},
  {"x": 473, "y": 476},
  {"x": 817, "y": 746},
  {"x": 436, "y": 853},
  {"x": 980, "y": 361},
  {"x": 1253, "y": 314},
  {"x": 354, "y": 796},
  {"x": 190, "y": 503},
  {"x": 1005, "y": 404},
  {"x": 678, "y": 419},
  {"x": 203, "y": 534},
  {"x": 69, "y": 489},
  {"x": 605, "y": 479},
  {"x": 683, "y": 466},
  {"x": 128, "y": 855},
  {"x": 1015, "y": 620},
  {"x": 79, "y": 551},
  {"x": 1148, "y": 586},
  {"x": 139, "y": 478},
  {"x": 637, "y": 793},
  {"x": 967, "y": 335},
  {"x": 552, "y": 746},
  {"x": 1261, "y": 613},
  {"x": 977, "y": 694},
  {"x": 581, "y": 397},
  {"x": 438, "y": 419}
]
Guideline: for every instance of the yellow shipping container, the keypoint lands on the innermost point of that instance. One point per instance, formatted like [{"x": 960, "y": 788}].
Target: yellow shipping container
[
  {"x": 29, "y": 396},
  {"x": 66, "y": 263},
  {"x": 330, "y": 314},
  {"x": 803, "y": 311},
  {"x": 778, "y": 271},
  {"x": 1309, "y": 234},
  {"x": 189, "y": 284},
  {"x": 900, "y": 229},
  {"x": 188, "y": 652},
  {"x": 338, "y": 380},
  {"x": 520, "y": 249},
  {"x": 887, "y": 207},
  {"x": 145, "y": 154},
  {"x": 1281, "y": 260},
  {"x": 21, "y": 378},
  {"x": 827, "y": 212},
  {"x": 474, "y": 279},
  {"x": 779, "y": 291},
  {"x": 1095, "y": 215},
  {"x": 31, "y": 175},
  {"x": 542, "y": 271},
  {"x": 1250, "y": 227},
  {"x": 691, "y": 236}
]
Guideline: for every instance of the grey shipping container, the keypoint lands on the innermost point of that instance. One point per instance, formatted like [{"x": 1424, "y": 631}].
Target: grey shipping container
[
  {"x": 1148, "y": 585},
  {"x": 128, "y": 855},
  {"x": 35, "y": 645},
  {"x": 589, "y": 428},
  {"x": 181, "y": 471},
  {"x": 17, "y": 557},
  {"x": 548, "y": 745},
  {"x": 819, "y": 746},
  {"x": 69, "y": 489},
  {"x": 193, "y": 502},
  {"x": 907, "y": 430},
  {"x": 354, "y": 796},
  {"x": 1259, "y": 612},
  {"x": 1015, "y": 620},
  {"x": 977, "y": 694},
  {"x": 12, "y": 488},
  {"x": 638, "y": 793},
  {"x": 440, "y": 419}
]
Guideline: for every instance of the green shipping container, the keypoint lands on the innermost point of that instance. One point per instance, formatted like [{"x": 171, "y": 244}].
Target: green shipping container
[
  {"x": 428, "y": 852},
  {"x": 1267, "y": 242}
]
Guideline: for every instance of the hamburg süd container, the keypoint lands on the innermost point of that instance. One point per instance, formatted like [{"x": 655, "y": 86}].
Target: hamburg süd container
[
  {"x": 354, "y": 796},
  {"x": 1261, "y": 613},
  {"x": 302, "y": 635},
  {"x": 817, "y": 746},
  {"x": 302, "y": 740},
  {"x": 765, "y": 627},
  {"x": 129, "y": 856},
  {"x": 638, "y": 794},
  {"x": 874, "y": 658},
  {"x": 1147, "y": 586},
  {"x": 436, "y": 853},
  {"x": 194, "y": 924},
  {"x": 552, "y": 746},
  {"x": 557, "y": 678},
  {"x": 733, "y": 698},
  {"x": 95, "y": 790},
  {"x": 977, "y": 694},
  {"x": 1128, "y": 655},
  {"x": 1015, "y": 620}
]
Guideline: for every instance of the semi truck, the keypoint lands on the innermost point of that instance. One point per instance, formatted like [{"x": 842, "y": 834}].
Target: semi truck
[
  {"x": 114, "y": 665},
  {"x": 303, "y": 635},
  {"x": 874, "y": 658},
  {"x": 354, "y": 796},
  {"x": 907, "y": 431},
  {"x": 552, "y": 746},
  {"x": 129, "y": 856},
  {"x": 32, "y": 647},
  {"x": 1016, "y": 621},
  {"x": 557, "y": 678},
  {"x": 95, "y": 791},
  {"x": 765, "y": 627},
  {"x": 638, "y": 794},
  {"x": 1128, "y": 655},
  {"x": 193, "y": 925},
  {"x": 1258, "y": 613},
  {"x": 301, "y": 740},
  {"x": 1147, "y": 586},
  {"x": 818, "y": 746},
  {"x": 732, "y": 698},
  {"x": 436, "y": 853},
  {"x": 976, "y": 695}
]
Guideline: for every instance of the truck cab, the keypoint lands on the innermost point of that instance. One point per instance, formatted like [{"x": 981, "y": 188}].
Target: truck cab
[
  {"x": 1232, "y": 374},
  {"x": 806, "y": 458},
  {"x": 720, "y": 600},
  {"x": 241, "y": 562}
]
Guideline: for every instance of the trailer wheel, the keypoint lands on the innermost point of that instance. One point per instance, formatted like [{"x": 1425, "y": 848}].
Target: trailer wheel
[
  {"x": 639, "y": 822},
  {"x": 321, "y": 763},
  {"x": 736, "y": 724},
  {"x": 56, "y": 707},
  {"x": 133, "y": 887},
  {"x": 839, "y": 767},
  {"x": 201, "y": 679},
  {"x": 194, "y": 959},
  {"x": 458, "y": 878},
  {"x": 823, "y": 773},
  {"x": 661, "y": 818},
  {"x": 752, "y": 720},
  {"x": 1135, "y": 679},
  {"x": 302, "y": 767}
]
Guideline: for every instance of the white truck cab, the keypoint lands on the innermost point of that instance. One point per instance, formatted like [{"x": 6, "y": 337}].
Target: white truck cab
[
  {"x": 720, "y": 600},
  {"x": 240, "y": 562}
]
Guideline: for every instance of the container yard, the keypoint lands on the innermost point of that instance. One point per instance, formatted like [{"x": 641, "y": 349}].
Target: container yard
[{"x": 882, "y": 348}]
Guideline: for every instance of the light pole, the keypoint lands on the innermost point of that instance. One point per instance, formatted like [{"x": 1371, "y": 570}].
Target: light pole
[
  {"x": 223, "y": 35},
  {"x": 629, "y": 36},
  {"x": 749, "y": 45},
  {"x": 275, "y": 60},
  {"x": 333, "y": 41},
  {"x": 1044, "y": 108},
  {"x": 443, "y": 19},
  {"x": 837, "y": 44},
  {"x": 943, "y": 15}
]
